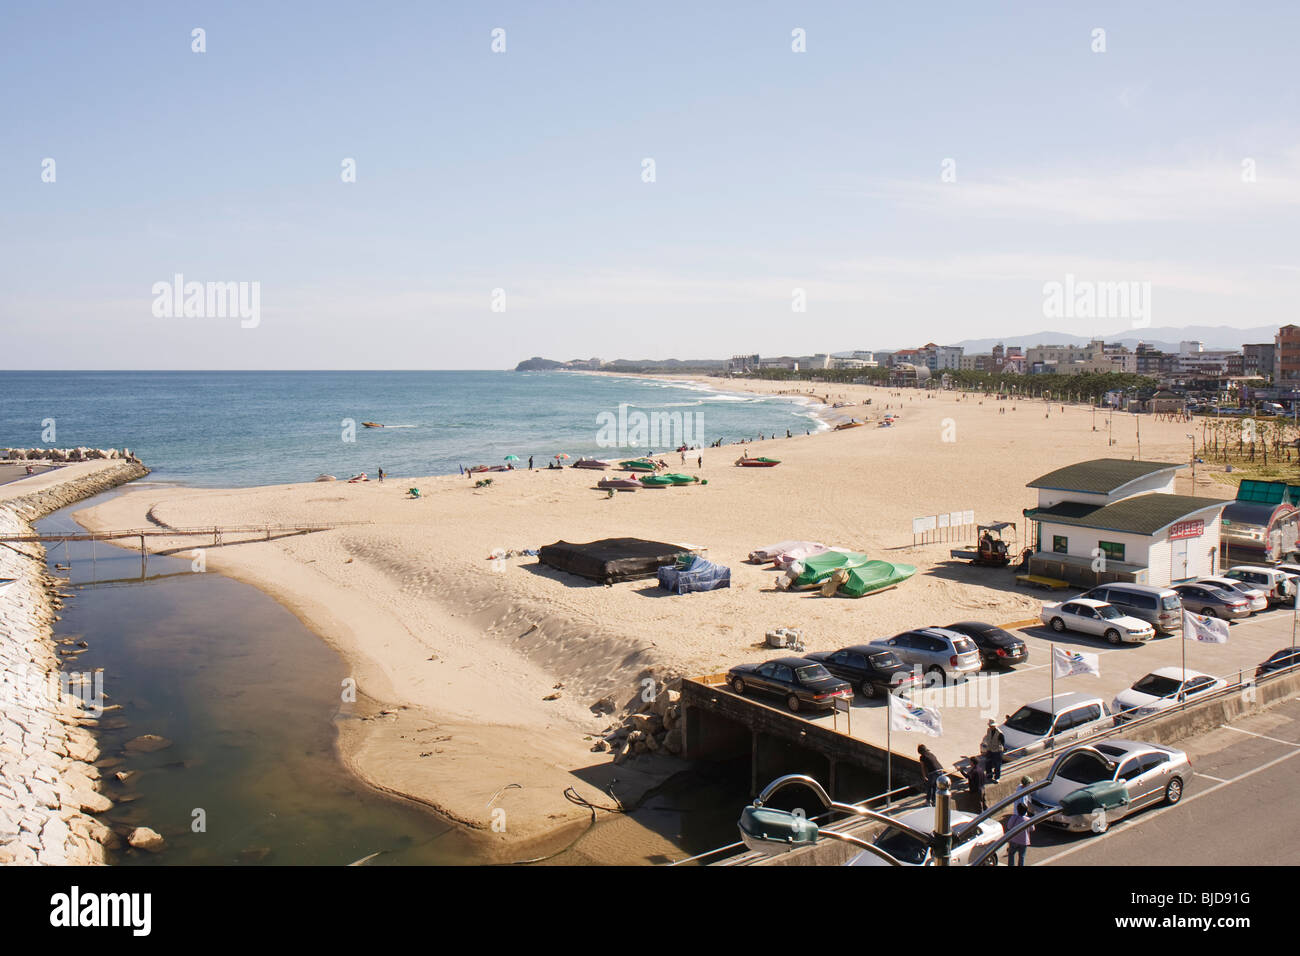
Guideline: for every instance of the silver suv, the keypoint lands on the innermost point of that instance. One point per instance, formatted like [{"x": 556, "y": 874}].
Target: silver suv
[{"x": 940, "y": 653}]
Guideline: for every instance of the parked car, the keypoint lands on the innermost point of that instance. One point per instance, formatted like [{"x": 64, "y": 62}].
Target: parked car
[
  {"x": 1280, "y": 661},
  {"x": 1256, "y": 598},
  {"x": 910, "y": 851},
  {"x": 1053, "y": 721},
  {"x": 1097, "y": 618},
  {"x": 940, "y": 654},
  {"x": 1213, "y": 602},
  {"x": 1149, "y": 774},
  {"x": 996, "y": 646},
  {"x": 1162, "y": 608},
  {"x": 1271, "y": 580},
  {"x": 803, "y": 683},
  {"x": 872, "y": 670},
  {"x": 1163, "y": 688}
]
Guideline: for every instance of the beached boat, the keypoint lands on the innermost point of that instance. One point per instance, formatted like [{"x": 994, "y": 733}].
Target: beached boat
[
  {"x": 843, "y": 425},
  {"x": 812, "y": 571},
  {"x": 656, "y": 481},
  {"x": 637, "y": 464},
  {"x": 372, "y": 425},
  {"x": 842, "y": 405},
  {"x": 874, "y": 576},
  {"x": 591, "y": 463},
  {"x": 325, "y": 478},
  {"x": 679, "y": 479},
  {"x": 744, "y": 462},
  {"x": 477, "y": 469},
  {"x": 619, "y": 484}
]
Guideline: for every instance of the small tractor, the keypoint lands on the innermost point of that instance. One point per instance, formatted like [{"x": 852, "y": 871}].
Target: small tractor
[{"x": 992, "y": 550}]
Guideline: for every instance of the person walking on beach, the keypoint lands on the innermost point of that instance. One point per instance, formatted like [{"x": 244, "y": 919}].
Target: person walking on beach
[
  {"x": 993, "y": 746},
  {"x": 933, "y": 770},
  {"x": 1020, "y": 842},
  {"x": 381, "y": 476},
  {"x": 975, "y": 781},
  {"x": 530, "y": 462},
  {"x": 699, "y": 463}
]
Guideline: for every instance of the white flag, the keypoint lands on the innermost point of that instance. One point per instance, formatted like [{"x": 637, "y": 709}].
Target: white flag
[
  {"x": 913, "y": 718},
  {"x": 1199, "y": 627},
  {"x": 1065, "y": 663}
]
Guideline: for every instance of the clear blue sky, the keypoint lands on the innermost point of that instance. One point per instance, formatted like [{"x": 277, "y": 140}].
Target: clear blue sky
[{"x": 522, "y": 171}]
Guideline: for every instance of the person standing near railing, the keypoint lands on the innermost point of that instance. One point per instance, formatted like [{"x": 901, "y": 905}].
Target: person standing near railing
[
  {"x": 1020, "y": 842},
  {"x": 993, "y": 746},
  {"x": 933, "y": 771}
]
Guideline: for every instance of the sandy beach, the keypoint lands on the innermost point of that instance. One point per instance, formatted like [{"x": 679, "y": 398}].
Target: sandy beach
[{"x": 453, "y": 660}]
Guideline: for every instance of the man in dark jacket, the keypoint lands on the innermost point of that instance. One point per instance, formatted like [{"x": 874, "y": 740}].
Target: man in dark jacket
[
  {"x": 975, "y": 781},
  {"x": 933, "y": 771}
]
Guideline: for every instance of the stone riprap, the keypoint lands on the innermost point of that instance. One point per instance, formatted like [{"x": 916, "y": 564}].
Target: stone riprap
[{"x": 49, "y": 786}]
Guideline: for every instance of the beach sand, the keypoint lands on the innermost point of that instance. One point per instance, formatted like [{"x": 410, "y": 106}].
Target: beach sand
[{"x": 452, "y": 660}]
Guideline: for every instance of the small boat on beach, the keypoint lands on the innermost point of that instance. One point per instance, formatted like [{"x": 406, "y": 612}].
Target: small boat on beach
[
  {"x": 372, "y": 425},
  {"x": 477, "y": 469},
  {"x": 663, "y": 481},
  {"x": 842, "y": 405},
  {"x": 591, "y": 463},
  {"x": 744, "y": 462},
  {"x": 638, "y": 464},
  {"x": 325, "y": 478},
  {"x": 843, "y": 425},
  {"x": 618, "y": 484}
]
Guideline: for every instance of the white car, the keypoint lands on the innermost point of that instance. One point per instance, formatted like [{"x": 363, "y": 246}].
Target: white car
[
  {"x": 1277, "y": 584},
  {"x": 1053, "y": 721},
  {"x": 1098, "y": 618},
  {"x": 1163, "y": 688},
  {"x": 1147, "y": 773},
  {"x": 910, "y": 851},
  {"x": 1258, "y": 598}
]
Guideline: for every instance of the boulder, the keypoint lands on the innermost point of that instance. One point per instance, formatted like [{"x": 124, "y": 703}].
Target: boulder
[
  {"x": 673, "y": 741},
  {"x": 146, "y": 743},
  {"x": 665, "y": 700},
  {"x": 142, "y": 838}
]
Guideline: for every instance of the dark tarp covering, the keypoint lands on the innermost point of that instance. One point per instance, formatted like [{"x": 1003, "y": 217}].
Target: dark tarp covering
[
  {"x": 696, "y": 575},
  {"x": 610, "y": 559}
]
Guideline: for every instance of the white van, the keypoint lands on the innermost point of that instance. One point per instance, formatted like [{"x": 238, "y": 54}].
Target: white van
[{"x": 1052, "y": 722}]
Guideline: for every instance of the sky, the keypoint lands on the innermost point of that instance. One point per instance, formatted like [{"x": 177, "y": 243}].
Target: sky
[{"x": 917, "y": 172}]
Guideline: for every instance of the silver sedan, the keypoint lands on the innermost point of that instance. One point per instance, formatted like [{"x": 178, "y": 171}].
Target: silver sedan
[{"x": 1139, "y": 774}]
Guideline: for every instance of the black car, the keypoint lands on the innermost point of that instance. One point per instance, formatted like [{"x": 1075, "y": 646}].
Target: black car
[
  {"x": 1286, "y": 657},
  {"x": 803, "y": 683},
  {"x": 872, "y": 670},
  {"x": 996, "y": 645}
]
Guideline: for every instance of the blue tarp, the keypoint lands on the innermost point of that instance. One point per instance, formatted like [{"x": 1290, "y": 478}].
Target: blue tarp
[{"x": 695, "y": 575}]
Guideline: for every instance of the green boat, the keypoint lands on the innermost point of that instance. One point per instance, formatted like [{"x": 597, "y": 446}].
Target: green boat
[
  {"x": 637, "y": 464},
  {"x": 873, "y": 576},
  {"x": 819, "y": 567},
  {"x": 656, "y": 481},
  {"x": 680, "y": 479}
]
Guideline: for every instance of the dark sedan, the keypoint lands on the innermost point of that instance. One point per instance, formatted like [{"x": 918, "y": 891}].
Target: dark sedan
[
  {"x": 803, "y": 683},
  {"x": 1286, "y": 657},
  {"x": 869, "y": 669},
  {"x": 998, "y": 647}
]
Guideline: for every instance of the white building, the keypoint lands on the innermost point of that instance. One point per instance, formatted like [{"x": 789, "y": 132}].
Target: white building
[{"x": 1114, "y": 519}]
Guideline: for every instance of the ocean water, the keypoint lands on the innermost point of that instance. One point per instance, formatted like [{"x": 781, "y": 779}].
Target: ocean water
[{"x": 231, "y": 429}]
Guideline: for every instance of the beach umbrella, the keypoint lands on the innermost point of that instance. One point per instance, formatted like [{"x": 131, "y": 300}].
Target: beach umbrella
[
  {"x": 512, "y": 457},
  {"x": 561, "y": 455}
]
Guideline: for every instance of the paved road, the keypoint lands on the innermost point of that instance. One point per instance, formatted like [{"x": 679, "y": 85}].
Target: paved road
[{"x": 1239, "y": 807}]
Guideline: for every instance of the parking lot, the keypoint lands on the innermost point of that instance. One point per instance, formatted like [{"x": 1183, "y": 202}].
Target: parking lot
[
  {"x": 1236, "y": 808},
  {"x": 966, "y": 705}
]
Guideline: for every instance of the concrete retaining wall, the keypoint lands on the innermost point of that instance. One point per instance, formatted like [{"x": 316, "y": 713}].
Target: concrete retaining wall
[{"x": 48, "y": 781}]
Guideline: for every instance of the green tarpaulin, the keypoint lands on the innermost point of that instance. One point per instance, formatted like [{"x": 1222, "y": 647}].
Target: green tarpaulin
[
  {"x": 873, "y": 576},
  {"x": 818, "y": 567}
]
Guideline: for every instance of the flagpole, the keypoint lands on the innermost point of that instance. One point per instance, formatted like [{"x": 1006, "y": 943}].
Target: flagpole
[
  {"x": 1184, "y": 680},
  {"x": 1053, "y": 657},
  {"x": 889, "y": 744}
]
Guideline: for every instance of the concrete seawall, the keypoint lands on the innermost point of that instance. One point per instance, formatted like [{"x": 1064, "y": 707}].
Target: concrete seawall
[{"x": 49, "y": 786}]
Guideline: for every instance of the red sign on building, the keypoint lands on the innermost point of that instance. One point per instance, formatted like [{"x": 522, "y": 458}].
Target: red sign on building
[{"x": 1187, "y": 529}]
